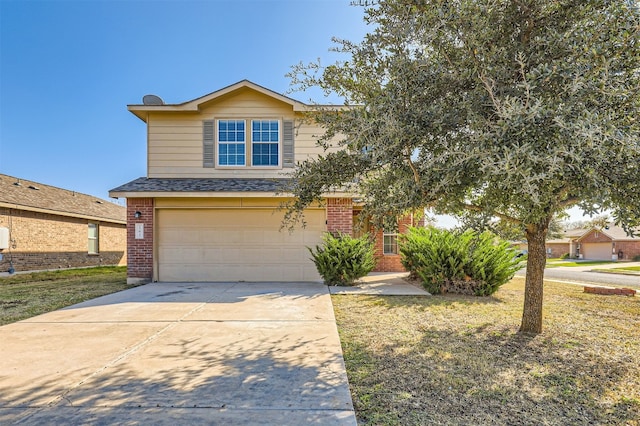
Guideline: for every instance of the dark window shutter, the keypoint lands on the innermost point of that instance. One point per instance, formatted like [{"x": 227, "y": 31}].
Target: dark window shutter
[
  {"x": 288, "y": 159},
  {"x": 207, "y": 144}
]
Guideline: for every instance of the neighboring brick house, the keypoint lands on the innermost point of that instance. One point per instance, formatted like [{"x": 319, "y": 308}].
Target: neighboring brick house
[
  {"x": 608, "y": 243},
  {"x": 208, "y": 208},
  {"x": 565, "y": 244},
  {"x": 44, "y": 227}
]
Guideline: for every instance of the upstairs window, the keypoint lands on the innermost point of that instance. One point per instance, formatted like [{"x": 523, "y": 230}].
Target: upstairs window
[
  {"x": 248, "y": 143},
  {"x": 265, "y": 140},
  {"x": 231, "y": 143}
]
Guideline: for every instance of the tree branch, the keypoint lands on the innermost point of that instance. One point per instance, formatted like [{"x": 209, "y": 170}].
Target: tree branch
[{"x": 499, "y": 215}]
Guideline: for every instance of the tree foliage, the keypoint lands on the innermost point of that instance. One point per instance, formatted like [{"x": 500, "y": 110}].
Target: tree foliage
[{"x": 518, "y": 109}]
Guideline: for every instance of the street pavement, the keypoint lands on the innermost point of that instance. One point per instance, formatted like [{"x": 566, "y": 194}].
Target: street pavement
[{"x": 584, "y": 275}]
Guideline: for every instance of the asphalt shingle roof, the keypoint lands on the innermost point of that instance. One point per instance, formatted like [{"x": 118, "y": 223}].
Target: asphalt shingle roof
[
  {"x": 25, "y": 194},
  {"x": 144, "y": 184}
]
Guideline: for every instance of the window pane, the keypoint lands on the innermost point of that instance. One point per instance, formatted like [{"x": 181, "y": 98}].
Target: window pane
[
  {"x": 390, "y": 244},
  {"x": 93, "y": 244},
  {"x": 93, "y": 230},
  {"x": 231, "y": 139},
  {"x": 265, "y": 137}
]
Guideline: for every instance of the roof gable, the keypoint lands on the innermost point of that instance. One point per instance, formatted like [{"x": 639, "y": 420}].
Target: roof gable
[
  {"x": 197, "y": 104},
  {"x": 612, "y": 232},
  {"x": 23, "y": 194}
]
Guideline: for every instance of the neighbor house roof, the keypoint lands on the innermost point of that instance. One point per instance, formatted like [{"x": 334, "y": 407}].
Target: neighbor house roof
[
  {"x": 568, "y": 235},
  {"x": 21, "y": 194},
  {"x": 161, "y": 186},
  {"x": 615, "y": 232}
]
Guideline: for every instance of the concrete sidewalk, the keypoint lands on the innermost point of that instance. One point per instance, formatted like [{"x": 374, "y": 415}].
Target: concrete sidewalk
[
  {"x": 382, "y": 284},
  {"x": 225, "y": 353}
]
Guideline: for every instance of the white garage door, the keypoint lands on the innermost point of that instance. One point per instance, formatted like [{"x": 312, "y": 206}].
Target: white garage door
[
  {"x": 596, "y": 251},
  {"x": 235, "y": 245}
]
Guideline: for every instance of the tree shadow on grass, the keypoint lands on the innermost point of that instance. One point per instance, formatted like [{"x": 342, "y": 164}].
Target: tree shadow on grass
[{"x": 486, "y": 375}]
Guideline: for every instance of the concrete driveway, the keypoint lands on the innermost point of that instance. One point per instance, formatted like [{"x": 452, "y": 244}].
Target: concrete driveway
[{"x": 189, "y": 353}]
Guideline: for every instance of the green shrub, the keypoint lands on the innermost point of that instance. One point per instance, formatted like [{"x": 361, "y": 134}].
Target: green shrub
[
  {"x": 565, "y": 256},
  {"x": 636, "y": 258},
  {"x": 342, "y": 259},
  {"x": 454, "y": 262}
]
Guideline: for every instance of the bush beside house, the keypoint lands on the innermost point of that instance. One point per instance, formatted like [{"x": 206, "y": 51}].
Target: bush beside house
[
  {"x": 453, "y": 262},
  {"x": 342, "y": 259}
]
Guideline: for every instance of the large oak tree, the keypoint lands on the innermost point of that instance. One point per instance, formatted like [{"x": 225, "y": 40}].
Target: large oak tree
[{"x": 519, "y": 109}]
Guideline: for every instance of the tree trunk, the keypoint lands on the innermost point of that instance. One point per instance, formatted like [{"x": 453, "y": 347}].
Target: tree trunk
[{"x": 534, "y": 282}]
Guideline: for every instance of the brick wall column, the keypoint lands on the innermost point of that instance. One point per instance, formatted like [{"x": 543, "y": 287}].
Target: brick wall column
[
  {"x": 139, "y": 250},
  {"x": 340, "y": 215}
]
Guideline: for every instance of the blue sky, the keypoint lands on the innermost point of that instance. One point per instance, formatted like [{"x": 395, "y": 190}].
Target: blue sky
[{"x": 68, "y": 69}]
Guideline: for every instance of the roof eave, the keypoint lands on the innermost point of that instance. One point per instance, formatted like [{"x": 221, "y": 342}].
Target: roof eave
[
  {"x": 62, "y": 213},
  {"x": 215, "y": 194}
]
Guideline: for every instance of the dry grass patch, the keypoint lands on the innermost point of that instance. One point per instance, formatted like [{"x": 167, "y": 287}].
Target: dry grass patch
[
  {"x": 459, "y": 360},
  {"x": 26, "y": 295}
]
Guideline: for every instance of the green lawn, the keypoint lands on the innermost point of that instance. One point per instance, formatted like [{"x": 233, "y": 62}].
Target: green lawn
[
  {"x": 624, "y": 270},
  {"x": 571, "y": 263},
  {"x": 458, "y": 360},
  {"x": 27, "y": 295},
  {"x": 629, "y": 268}
]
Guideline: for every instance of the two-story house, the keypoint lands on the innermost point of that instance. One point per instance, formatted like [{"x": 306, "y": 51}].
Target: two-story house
[{"x": 208, "y": 209}]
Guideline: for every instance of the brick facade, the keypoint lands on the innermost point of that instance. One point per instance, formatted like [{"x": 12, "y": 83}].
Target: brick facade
[
  {"x": 595, "y": 237},
  {"x": 48, "y": 241},
  {"x": 391, "y": 262},
  {"x": 557, "y": 249},
  {"x": 140, "y": 251},
  {"x": 340, "y": 218},
  {"x": 629, "y": 249},
  {"x": 340, "y": 215}
]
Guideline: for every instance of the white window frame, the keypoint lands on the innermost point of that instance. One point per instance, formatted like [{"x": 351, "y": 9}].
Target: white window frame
[
  {"x": 218, "y": 142},
  {"x": 95, "y": 239},
  {"x": 248, "y": 143},
  {"x": 278, "y": 142},
  {"x": 394, "y": 244},
  {"x": 390, "y": 229}
]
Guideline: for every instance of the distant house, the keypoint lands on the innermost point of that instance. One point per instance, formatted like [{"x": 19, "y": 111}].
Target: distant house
[
  {"x": 565, "y": 244},
  {"x": 610, "y": 242},
  {"x": 44, "y": 227}
]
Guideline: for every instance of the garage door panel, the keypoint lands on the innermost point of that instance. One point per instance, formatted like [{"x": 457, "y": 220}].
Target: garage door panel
[
  {"x": 597, "y": 251},
  {"x": 235, "y": 245}
]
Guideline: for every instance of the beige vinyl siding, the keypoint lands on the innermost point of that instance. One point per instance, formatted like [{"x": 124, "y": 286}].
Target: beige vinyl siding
[{"x": 175, "y": 139}]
